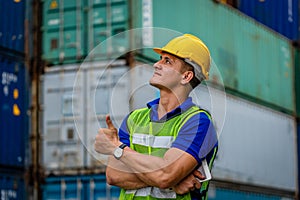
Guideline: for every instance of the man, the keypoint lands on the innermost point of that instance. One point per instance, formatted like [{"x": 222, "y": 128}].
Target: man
[{"x": 158, "y": 149}]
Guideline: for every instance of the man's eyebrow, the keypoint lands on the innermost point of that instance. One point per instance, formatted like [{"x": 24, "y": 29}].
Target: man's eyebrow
[{"x": 167, "y": 57}]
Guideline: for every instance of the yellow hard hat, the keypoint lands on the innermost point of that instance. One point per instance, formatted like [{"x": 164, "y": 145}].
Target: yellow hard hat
[{"x": 192, "y": 50}]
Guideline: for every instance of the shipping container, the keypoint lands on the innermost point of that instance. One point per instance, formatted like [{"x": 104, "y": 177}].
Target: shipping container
[
  {"x": 237, "y": 192},
  {"x": 79, "y": 187},
  {"x": 12, "y": 186},
  {"x": 76, "y": 99},
  {"x": 12, "y": 25},
  {"x": 14, "y": 102},
  {"x": 297, "y": 80},
  {"x": 257, "y": 145},
  {"x": 72, "y": 29},
  {"x": 253, "y": 61},
  {"x": 61, "y": 145},
  {"x": 281, "y": 16}
]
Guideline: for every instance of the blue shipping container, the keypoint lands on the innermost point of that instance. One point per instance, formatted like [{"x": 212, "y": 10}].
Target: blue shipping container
[
  {"x": 12, "y": 187},
  {"x": 280, "y": 15},
  {"x": 79, "y": 187},
  {"x": 13, "y": 113},
  {"x": 221, "y": 194},
  {"x": 12, "y": 18}
]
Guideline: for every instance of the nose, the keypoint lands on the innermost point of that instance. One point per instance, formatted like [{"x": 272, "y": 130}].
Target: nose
[{"x": 157, "y": 65}]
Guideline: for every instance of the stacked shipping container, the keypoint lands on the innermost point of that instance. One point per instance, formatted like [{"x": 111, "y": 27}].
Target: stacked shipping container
[
  {"x": 243, "y": 52},
  {"x": 79, "y": 187},
  {"x": 71, "y": 31},
  {"x": 14, "y": 101},
  {"x": 13, "y": 118},
  {"x": 256, "y": 64},
  {"x": 281, "y": 16},
  {"x": 12, "y": 26},
  {"x": 71, "y": 118},
  {"x": 12, "y": 186},
  {"x": 240, "y": 49}
]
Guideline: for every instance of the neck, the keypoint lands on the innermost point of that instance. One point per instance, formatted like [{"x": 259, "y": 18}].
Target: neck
[{"x": 169, "y": 101}]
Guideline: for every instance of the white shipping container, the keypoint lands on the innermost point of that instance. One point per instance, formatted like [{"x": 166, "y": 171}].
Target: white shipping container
[
  {"x": 76, "y": 99},
  {"x": 257, "y": 145},
  {"x": 107, "y": 92},
  {"x": 61, "y": 145}
]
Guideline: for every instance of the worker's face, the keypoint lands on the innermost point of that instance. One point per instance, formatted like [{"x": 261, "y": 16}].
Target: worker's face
[{"x": 167, "y": 72}]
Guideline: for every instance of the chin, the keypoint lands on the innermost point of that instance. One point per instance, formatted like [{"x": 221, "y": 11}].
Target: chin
[
  {"x": 153, "y": 83},
  {"x": 157, "y": 85}
]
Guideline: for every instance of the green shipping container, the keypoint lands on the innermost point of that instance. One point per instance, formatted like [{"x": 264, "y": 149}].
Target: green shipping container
[
  {"x": 73, "y": 28},
  {"x": 104, "y": 21},
  {"x": 253, "y": 61}
]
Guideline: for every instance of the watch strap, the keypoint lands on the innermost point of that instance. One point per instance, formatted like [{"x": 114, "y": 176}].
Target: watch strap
[{"x": 122, "y": 146}]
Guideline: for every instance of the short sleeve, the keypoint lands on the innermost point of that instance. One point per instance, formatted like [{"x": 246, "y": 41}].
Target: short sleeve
[
  {"x": 197, "y": 136},
  {"x": 124, "y": 133}
]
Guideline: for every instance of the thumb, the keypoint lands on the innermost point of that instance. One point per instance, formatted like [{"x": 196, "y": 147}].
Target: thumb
[{"x": 109, "y": 122}]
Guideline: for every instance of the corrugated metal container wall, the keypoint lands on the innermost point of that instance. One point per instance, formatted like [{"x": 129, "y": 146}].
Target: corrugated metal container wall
[
  {"x": 12, "y": 18},
  {"x": 79, "y": 187},
  {"x": 12, "y": 187},
  {"x": 13, "y": 118},
  {"x": 62, "y": 147},
  {"x": 107, "y": 19},
  {"x": 241, "y": 49},
  {"x": 72, "y": 29},
  {"x": 68, "y": 133},
  {"x": 256, "y": 143},
  {"x": 297, "y": 80},
  {"x": 63, "y": 28},
  {"x": 234, "y": 194},
  {"x": 281, "y": 16}
]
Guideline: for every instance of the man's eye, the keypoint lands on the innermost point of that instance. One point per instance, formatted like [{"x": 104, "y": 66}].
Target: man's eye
[{"x": 168, "y": 62}]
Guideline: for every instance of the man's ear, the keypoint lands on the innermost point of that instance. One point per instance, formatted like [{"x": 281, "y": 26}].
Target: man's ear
[{"x": 187, "y": 77}]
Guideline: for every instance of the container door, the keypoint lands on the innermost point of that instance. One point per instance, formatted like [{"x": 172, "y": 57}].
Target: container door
[
  {"x": 62, "y": 146},
  {"x": 13, "y": 117},
  {"x": 107, "y": 93}
]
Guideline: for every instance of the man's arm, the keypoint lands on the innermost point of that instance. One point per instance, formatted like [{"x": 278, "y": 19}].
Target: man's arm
[
  {"x": 154, "y": 171},
  {"x": 126, "y": 179},
  {"x": 163, "y": 172},
  {"x": 120, "y": 175},
  {"x": 150, "y": 170}
]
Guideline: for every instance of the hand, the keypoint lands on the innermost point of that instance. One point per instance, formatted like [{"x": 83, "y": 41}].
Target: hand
[
  {"x": 107, "y": 138},
  {"x": 189, "y": 183}
]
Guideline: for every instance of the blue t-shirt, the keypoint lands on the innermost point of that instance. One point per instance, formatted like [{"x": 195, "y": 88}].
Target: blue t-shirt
[{"x": 196, "y": 137}]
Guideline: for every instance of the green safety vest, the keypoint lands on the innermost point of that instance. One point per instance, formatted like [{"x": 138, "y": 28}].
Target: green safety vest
[{"x": 155, "y": 138}]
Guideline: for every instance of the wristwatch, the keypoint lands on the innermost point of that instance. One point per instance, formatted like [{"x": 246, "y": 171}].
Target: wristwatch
[{"x": 118, "y": 152}]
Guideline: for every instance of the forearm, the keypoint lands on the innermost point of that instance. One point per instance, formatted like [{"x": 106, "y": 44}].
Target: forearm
[
  {"x": 120, "y": 175},
  {"x": 159, "y": 172}
]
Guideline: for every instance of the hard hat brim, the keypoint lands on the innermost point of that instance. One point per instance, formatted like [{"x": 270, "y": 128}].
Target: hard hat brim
[
  {"x": 161, "y": 50},
  {"x": 158, "y": 50}
]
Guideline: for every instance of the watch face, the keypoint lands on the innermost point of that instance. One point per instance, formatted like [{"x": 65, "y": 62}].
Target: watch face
[{"x": 118, "y": 153}]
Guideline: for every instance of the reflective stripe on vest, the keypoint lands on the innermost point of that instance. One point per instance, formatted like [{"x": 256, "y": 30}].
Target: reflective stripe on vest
[
  {"x": 152, "y": 141},
  {"x": 153, "y": 192}
]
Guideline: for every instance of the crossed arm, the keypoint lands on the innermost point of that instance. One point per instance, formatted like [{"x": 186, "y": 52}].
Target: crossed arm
[
  {"x": 134, "y": 170},
  {"x": 145, "y": 170}
]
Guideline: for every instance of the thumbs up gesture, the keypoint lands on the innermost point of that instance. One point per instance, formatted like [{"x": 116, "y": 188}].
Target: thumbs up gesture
[{"x": 107, "y": 138}]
